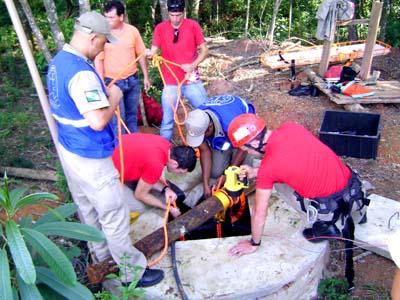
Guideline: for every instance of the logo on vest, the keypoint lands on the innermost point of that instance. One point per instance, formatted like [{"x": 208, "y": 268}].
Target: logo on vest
[
  {"x": 92, "y": 96},
  {"x": 220, "y": 100}
]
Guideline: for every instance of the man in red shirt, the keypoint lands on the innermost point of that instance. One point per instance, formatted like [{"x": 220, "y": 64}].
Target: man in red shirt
[
  {"x": 307, "y": 173},
  {"x": 145, "y": 156},
  {"x": 181, "y": 41}
]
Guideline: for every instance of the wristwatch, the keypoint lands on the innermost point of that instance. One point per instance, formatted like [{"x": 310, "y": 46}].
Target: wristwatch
[{"x": 253, "y": 243}]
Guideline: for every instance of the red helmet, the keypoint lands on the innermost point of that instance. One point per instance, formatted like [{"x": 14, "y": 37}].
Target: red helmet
[{"x": 244, "y": 128}]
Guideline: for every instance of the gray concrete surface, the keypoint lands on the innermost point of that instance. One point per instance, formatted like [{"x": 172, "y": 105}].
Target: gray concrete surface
[
  {"x": 286, "y": 266},
  {"x": 375, "y": 233}
]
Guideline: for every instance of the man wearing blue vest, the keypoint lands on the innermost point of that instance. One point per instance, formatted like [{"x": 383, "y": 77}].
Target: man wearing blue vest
[
  {"x": 82, "y": 108},
  {"x": 207, "y": 127}
]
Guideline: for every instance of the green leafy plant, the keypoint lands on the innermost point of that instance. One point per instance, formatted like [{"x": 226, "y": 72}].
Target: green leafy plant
[
  {"x": 333, "y": 289},
  {"x": 31, "y": 263},
  {"x": 126, "y": 292}
]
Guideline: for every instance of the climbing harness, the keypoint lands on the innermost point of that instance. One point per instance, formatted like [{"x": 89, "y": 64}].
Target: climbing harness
[{"x": 340, "y": 205}]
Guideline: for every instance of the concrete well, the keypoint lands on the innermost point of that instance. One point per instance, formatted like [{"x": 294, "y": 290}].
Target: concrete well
[{"x": 286, "y": 266}]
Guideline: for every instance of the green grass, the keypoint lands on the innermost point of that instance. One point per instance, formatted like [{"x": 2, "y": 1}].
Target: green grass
[
  {"x": 376, "y": 292},
  {"x": 333, "y": 289}
]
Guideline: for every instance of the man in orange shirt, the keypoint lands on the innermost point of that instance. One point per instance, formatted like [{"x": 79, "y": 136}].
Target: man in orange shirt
[{"x": 116, "y": 57}]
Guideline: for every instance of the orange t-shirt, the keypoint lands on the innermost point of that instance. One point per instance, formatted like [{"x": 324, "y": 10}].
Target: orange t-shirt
[{"x": 116, "y": 57}]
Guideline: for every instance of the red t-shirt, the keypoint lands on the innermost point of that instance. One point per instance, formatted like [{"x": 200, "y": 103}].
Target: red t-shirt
[
  {"x": 184, "y": 51},
  {"x": 145, "y": 156},
  {"x": 294, "y": 156}
]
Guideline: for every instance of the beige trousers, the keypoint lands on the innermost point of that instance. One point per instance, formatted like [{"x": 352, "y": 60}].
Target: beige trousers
[{"x": 95, "y": 188}]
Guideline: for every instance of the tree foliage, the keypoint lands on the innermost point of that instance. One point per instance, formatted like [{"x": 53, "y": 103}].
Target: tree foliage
[{"x": 226, "y": 17}]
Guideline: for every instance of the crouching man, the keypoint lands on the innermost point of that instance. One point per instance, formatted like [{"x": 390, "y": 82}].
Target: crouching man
[
  {"x": 307, "y": 174},
  {"x": 144, "y": 158},
  {"x": 207, "y": 129}
]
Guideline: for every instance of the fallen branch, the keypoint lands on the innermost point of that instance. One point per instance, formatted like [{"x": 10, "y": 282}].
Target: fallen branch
[
  {"x": 30, "y": 173},
  {"x": 244, "y": 64},
  {"x": 220, "y": 56}
]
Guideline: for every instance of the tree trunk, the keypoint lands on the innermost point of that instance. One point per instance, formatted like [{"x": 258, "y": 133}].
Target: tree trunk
[
  {"x": 385, "y": 11},
  {"x": 164, "y": 9},
  {"x": 271, "y": 30},
  {"x": 30, "y": 173},
  {"x": 215, "y": 10},
  {"x": 352, "y": 29},
  {"x": 25, "y": 24},
  {"x": 195, "y": 5},
  {"x": 53, "y": 21},
  {"x": 192, "y": 219},
  {"x": 153, "y": 10},
  {"x": 246, "y": 27},
  {"x": 41, "y": 43},
  {"x": 290, "y": 17},
  {"x": 261, "y": 23},
  {"x": 84, "y": 6}
]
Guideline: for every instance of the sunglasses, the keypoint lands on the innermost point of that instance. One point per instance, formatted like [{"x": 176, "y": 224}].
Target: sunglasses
[{"x": 176, "y": 36}]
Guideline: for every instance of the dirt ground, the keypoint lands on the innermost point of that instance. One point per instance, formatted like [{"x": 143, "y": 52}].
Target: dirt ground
[{"x": 268, "y": 91}]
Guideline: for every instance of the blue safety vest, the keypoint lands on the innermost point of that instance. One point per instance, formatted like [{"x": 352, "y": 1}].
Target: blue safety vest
[
  {"x": 225, "y": 108},
  {"x": 74, "y": 132}
]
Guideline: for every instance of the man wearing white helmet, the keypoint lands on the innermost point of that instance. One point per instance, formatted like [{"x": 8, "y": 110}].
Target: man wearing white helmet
[{"x": 207, "y": 129}]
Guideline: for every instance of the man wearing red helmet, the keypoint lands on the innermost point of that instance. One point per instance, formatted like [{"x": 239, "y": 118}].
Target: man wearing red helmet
[{"x": 306, "y": 173}]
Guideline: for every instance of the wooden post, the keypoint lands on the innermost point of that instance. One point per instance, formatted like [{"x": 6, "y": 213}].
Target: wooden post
[
  {"x": 192, "y": 219},
  {"x": 371, "y": 40},
  {"x": 326, "y": 50},
  {"x": 143, "y": 111}
]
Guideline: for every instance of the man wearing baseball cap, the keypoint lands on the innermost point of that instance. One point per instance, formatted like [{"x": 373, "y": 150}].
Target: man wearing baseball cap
[
  {"x": 82, "y": 108},
  {"x": 207, "y": 127}
]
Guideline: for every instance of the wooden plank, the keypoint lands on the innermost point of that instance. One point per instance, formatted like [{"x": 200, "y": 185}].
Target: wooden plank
[
  {"x": 379, "y": 97},
  {"x": 385, "y": 91},
  {"x": 326, "y": 53},
  {"x": 371, "y": 40},
  {"x": 312, "y": 55}
]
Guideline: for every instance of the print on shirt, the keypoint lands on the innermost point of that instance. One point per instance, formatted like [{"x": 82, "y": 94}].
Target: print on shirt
[
  {"x": 53, "y": 87},
  {"x": 92, "y": 96}
]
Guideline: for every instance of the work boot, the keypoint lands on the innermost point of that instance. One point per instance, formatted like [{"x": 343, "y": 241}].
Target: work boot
[
  {"x": 321, "y": 231},
  {"x": 150, "y": 277}
]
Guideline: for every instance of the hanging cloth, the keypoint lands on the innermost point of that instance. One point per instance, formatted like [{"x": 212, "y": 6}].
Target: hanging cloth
[{"x": 328, "y": 12}]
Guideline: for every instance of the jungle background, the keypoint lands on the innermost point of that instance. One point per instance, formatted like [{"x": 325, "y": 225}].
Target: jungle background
[{"x": 237, "y": 31}]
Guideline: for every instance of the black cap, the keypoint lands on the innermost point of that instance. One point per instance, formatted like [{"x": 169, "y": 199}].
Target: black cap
[{"x": 176, "y": 5}]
